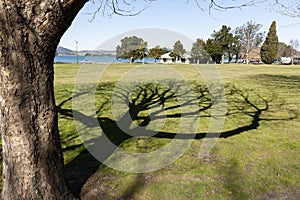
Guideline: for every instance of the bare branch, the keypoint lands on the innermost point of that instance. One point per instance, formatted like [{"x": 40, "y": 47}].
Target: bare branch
[
  {"x": 233, "y": 4},
  {"x": 119, "y": 7},
  {"x": 134, "y": 7},
  {"x": 289, "y": 8}
]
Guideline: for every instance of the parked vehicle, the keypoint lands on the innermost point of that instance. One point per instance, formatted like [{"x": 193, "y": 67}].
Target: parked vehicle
[{"x": 256, "y": 62}]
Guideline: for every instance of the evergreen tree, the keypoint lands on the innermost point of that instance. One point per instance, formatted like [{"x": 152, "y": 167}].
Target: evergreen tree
[
  {"x": 198, "y": 52},
  {"x": 214, "y": 49},
  {"x": 225, "y": 39},
  {"x": 178, "y": 50},
  {"x": 269, "y": 49}
]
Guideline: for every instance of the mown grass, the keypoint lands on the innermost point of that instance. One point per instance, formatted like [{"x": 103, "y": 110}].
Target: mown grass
[{"x": 258, "y": 153}]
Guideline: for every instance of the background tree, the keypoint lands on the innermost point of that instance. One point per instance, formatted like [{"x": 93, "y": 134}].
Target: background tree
[
  {"x": 157, "y": 52},
  {"x": 173, "y": 56},
  {"x": 198, "y": 52},
  {"x": 269, "y": 49},
  {"x": 214, "y": 49},
  {"x": 119, "y": 52},
  {"x": 141, "y": 52},
  {"x": 236, "y": 47},
  {"x": 294, "y": 45},
  {"x": 178, "y": 50},
  {"x": 283, "y": 50},
  {"x": 225, "y": 39},
  {"x": 250, "y": 37},
  {"x": 131, "y": 48},
  {"x": 232, "y": 48}
]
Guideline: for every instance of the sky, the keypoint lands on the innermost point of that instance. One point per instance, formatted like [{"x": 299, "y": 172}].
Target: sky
[{"x": 176, "y": 16}]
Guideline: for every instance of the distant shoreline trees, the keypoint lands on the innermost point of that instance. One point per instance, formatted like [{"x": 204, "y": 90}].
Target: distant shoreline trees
[{"x": 235, "y": 45}]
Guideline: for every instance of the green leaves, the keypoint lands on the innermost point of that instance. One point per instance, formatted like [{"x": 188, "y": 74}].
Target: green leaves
[
  {"x": 132, "y": 48},
  {"x": 214, "y": 48},
  {"x": 178, "y": 48},
  {"x": 269, "y": 48},
  {"x": 157, "y": 52},
  {"x": 198, "y": 52}
]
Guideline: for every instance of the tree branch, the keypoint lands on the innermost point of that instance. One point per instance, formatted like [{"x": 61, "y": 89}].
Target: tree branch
[
  {"x": 289, "y": 8},
  {"x": 234, "y": 4},
  {"x": 119, "y": 7}
]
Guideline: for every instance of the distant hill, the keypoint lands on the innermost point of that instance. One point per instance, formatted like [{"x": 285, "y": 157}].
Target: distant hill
[{"x": 62, "y": 50}]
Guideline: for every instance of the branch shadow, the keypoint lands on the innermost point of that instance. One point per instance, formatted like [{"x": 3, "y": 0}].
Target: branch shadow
[{"x": 151, "y": 102}]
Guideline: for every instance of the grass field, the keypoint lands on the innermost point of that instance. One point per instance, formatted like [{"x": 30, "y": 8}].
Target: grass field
[{"x": 256, "y": 157}]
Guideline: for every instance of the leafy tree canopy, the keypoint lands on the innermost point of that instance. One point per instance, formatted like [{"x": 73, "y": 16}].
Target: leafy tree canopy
[
  {"x": 214, "y": 49},
  {"x": 224, "y": 37},
  {"x": 132, "y": 48},
  {"x": 198, "y": 52},
  {"x": 157, "y": 52}
]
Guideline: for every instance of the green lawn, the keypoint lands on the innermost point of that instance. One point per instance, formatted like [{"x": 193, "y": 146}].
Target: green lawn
[
  {"x": 257, "y": 155},
  {"x": 258, "y": 152}
]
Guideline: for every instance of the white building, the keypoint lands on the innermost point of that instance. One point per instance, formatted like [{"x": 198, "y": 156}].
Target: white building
[
  {"x": 167, "y": 59},
  {"x": 285, "y": 60}
]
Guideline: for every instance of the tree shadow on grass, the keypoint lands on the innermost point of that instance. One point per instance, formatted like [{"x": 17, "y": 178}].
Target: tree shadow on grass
[
  {"x": 152, "y": 102},
  {"x": 279, "y": 81}
]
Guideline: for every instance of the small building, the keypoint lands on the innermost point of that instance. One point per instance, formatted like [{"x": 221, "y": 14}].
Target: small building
[
  {"x": 286, "y": 60},
  {"x": 167, "y": 59}
]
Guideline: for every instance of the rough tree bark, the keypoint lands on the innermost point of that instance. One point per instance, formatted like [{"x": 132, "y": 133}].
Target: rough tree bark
[{"x": 30, "y": 31}]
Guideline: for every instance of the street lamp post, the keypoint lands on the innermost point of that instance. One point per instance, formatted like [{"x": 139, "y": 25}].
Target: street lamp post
[{"x": 76, "y": 51}]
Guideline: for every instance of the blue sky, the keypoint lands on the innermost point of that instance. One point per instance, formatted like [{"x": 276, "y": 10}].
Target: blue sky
[{"x": 184, "y": 18}]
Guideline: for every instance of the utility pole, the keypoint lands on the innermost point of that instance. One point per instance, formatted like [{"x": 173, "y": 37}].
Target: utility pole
[{"x": 77, "y": 51}]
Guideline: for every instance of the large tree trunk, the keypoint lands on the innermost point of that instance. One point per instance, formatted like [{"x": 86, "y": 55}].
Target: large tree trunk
[
  {"x": 32, "y": 155},
  {"x": 32, "y": 158}
]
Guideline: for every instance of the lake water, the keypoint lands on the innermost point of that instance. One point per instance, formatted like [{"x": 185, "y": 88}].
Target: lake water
[{"x": 94, "y": 59}]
